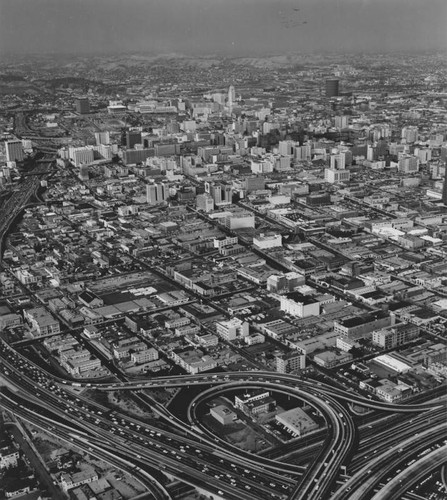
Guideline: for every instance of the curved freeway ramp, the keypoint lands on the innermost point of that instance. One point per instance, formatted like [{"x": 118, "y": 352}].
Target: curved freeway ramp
[{"x": 411, "y": 475}]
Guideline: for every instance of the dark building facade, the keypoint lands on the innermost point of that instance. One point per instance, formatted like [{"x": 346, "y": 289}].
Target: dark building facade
[
  {"x": 82, "y": 106},
  {"x": 332, "y": 87},
  {"x": 132, "y": 138}
]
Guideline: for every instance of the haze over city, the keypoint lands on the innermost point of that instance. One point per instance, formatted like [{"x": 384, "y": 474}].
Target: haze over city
[
  {"x": 225, "y": 27},
  {"x": 223, "y": 249}
]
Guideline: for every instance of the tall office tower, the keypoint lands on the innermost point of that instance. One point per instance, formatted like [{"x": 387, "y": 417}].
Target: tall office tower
[
  {"x": 221, "y": 192},
  {"x": 332, "y": 89},
  {"x": 408, "y": 164},
  {"x": 231, "y": 96},
  {"x": 82, "y": 106},
  {"x": 371, "y": 153},
  {"x": 14, "y": 150},
  {"x": 81, "y": 155},
  {"x": 444, "y": 190},
  {"x": 134, "y": 156},
  {"x": 444, "y": 153},
  {"x": 287, "y": 147},
  {"x": 6, "y": 173},
  {"x": 410, "y": 134},
  {"x": 132, "y": 138},
  {"x": 204, "y": 202},
  {"x": 102, "y": 137},
  {"x": 303, "y": 152},
  {"x": 105, "y": 150},
  {"x": 83, "y": 172},
  {"x": 157, "y": 193},
  {"x": 424, "y": 155},
  {"x": 341, "y": 121},
  {"x": 338, "y": 161},
  {"x": 382, "y": 147}
]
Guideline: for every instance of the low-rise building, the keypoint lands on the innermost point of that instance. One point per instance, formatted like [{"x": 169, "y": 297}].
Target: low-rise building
[
  {"x": 69, "y": 481},
  {"x": 264, "y": 242},
  {"x": 296, "y": 421},
  {"x": 357, "y": 327},
  {"x": 298, "y": 304},
  {"x": 330, "y": 359},
  {"x": 8, "y": 457},
  {"x": 193, "y": 361},
  {"x": 255, "y": 403},
  {"x": 223, "y": 414},
  {"x": 254, "y": 338},
  {"x": 396, "y": 335},
  {"x": 144, "y": 356},
  {"x": 232, "y": 329},
  {"x": 41, "y": 321}
]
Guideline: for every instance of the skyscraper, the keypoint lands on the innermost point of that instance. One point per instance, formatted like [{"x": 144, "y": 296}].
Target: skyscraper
[
  {"x": 410, "y": 134},
  {"x": 221, "y": 192},
  {"x": 332, "y": 89},
  {"x": 132, "y": 137},
  {"x": 408, "y": 164},
  {"x": 14, "y": 150},
  {"x": 204, "y": 202},
  {"x": 444, "y": 190},
  {"x": 82, "y": 106},
  {"x": 102, "y": 137},
  {"x": 81, "y": 155},
  {"x": 338, "y": 161},
  {"x": 157, "y": 193},
  {"x": 231, "y": 96},
  {"x": 83, "y": 172},
  {"x": 341, "y": 122}
]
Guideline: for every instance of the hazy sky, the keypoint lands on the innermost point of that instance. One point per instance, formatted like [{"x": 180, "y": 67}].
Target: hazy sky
[{"x": 221, "y": 26}]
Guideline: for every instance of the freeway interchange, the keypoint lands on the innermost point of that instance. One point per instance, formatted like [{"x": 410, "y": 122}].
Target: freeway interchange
[{"x": 336, "y": 468}]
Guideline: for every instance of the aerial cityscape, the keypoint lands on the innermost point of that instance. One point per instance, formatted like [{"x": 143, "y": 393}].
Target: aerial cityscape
[{"x": 223, "y": 250}]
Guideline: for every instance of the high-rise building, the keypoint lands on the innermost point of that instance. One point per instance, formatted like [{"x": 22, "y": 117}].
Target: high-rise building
[
  {"x": 82, "y": 106},
  {"x": 444, "y": 190},
  {"x": 132, "y": 137},
  {"x": 303, "y": 152},
  {"x": 157, "y": 193},
  {"x": 205, "y": 202},
  {"x": 341, "y": 122},
  {"x": 408, "y": 164},
  {"x": 424, "y": 155},
  {"x": 105, "y": 150},
  {"x": 102, "y": 137},
  {"x": 81, "y": 155},
  {"x": 14, "y": 150},
  {"x": 133, "y": 156},
  {"x": 332, "y": 87},
  {"x": 410, "y": 134},
  {"x": 83, "y": 172},
  {"x": 231, "y": 96},
  {"x": 286, "y": 147},
  {"x": 338, "y": 161},
  {"x": 371, "y": 153},
  {"x": 221, "y": 192}
]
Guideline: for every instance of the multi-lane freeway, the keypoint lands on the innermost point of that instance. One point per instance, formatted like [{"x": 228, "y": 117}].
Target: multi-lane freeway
[{"x": 187, "y": 451}]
